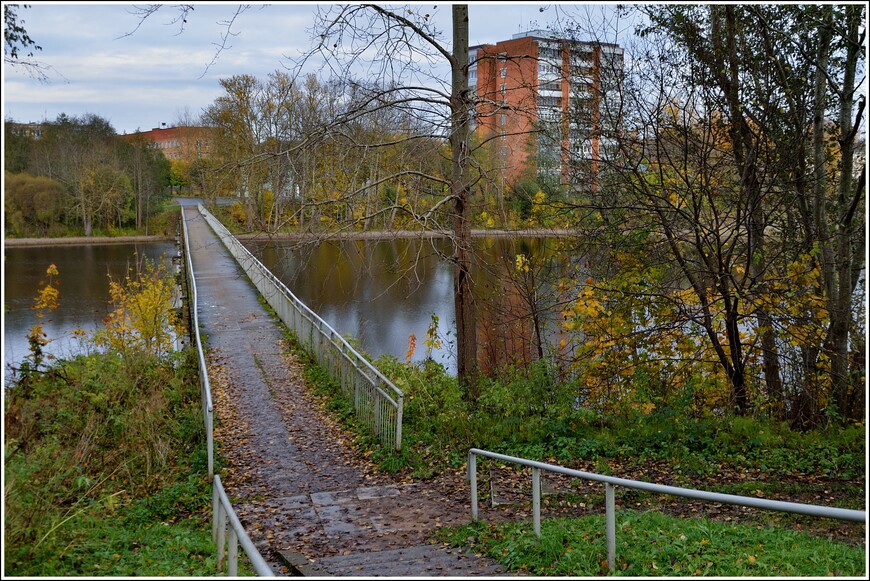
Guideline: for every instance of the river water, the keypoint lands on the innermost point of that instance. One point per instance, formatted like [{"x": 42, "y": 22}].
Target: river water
[
  {"x": 83, "y": 275},
  {"x": 383, "y": 291},
  {"x": 380, "y": 292}
]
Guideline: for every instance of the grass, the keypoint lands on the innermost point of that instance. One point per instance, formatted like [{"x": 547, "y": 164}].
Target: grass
[
  {"x": 106, "y": 470},
  {"x": 652, "y": 544}
]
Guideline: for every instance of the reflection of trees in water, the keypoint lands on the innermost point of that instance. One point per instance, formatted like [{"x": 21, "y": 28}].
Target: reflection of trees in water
[
  {"x": 381, "y": 291},
  {"x": 522, "y": 296}
]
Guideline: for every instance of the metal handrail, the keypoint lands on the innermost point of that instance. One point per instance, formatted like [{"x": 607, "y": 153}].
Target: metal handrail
[
  {"x": 369, "y": 400},
  {"x": 611, "y": 481},
  {"x": 205, "y": 386},
  {"x": 222, "y": 509}
]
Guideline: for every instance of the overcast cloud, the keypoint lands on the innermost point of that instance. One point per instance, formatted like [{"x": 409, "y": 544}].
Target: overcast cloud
[{"x": 159, "y": 73}]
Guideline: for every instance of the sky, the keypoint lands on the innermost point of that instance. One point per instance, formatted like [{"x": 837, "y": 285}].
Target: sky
[{"x": 101, "y": 58}]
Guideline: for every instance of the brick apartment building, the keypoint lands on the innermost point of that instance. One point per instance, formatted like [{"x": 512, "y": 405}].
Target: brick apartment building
[
  {"x": 547, "y": 105},
  {"x": 184, "y": 142}
]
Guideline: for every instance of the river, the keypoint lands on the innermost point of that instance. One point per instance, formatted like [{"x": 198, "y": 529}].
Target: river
[
  {"x": 83, "y": 285},
  {"x": 379, "y": 292}
]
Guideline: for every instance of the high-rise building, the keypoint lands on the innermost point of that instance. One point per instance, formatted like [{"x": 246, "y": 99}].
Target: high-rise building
[{"x": 547, "y": 107}]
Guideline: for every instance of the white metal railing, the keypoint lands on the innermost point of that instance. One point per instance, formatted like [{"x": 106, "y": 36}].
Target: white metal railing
[
  {"x": 377, "y": 402},
  {"x": 205, "y": 387},
  {"x": 224, "y": 515},
  {"x": 610, "y": 482},
  {"x": 222, "y": 509}
]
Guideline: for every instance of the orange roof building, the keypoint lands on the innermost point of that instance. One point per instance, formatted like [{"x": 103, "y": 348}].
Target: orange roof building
[{"x": 177, "y": 143}]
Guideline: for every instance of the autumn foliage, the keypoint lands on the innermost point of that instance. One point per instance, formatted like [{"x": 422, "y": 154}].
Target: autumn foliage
[{"x": 143, "y": 319}]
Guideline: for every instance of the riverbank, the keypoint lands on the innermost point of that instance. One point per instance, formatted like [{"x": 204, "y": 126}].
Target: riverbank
[
  {"x": 78, "y": 240},
  {"x": 405, "y": 234}
]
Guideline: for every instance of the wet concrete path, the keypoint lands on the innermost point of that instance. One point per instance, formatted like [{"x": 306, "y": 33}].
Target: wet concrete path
[{"x": 310, "y": 504}]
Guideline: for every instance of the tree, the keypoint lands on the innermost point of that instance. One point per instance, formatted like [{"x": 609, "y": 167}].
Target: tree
[
  {"x": 16, "y": 148},
  {"x": 149, "y": 172},
  {"x": 723, "y": 158},
  {"x": 32, "y": 205},
  {"x": 18, "y": 48},
  {"x": 347, "y": 35}
]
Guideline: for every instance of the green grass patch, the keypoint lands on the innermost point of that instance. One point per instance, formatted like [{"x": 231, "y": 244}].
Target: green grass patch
[
  {"x": 106, "y": 470},
  {"x": 652, "y": 544}
]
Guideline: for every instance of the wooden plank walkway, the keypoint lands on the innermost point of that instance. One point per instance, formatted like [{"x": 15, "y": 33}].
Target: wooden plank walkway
[{"x": 310, "y": 504}]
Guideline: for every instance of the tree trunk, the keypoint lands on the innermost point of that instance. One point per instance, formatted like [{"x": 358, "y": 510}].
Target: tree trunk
[
  {"x": 841, "y": 313},
  {"x": 466, "y": 327}
]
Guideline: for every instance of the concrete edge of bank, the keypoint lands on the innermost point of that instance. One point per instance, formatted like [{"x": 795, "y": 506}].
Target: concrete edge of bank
[{"x": 76, "y": 240}]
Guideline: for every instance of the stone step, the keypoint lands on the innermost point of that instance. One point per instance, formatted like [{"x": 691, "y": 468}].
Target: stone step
[{"x": 421, "y": 560}]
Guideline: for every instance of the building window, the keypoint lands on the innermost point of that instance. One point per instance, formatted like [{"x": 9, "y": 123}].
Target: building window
[
  {"x": 554, "y": 86},
  {"x": 503, "y": 89},
  {"x": 550, "y": 102},
  {"x": 503, "y": 72},
  {"x": 502, "y": 119}
]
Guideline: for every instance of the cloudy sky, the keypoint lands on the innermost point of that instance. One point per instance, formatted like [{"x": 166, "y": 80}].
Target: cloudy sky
[{"x": 102, "y": 58}]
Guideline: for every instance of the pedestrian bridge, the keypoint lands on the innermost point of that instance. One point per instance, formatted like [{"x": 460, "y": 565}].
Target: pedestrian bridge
[{"x": 303, "y": 502}]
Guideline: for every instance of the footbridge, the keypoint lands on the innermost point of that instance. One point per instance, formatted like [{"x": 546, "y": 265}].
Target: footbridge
[{"x": 302, "y": 502}]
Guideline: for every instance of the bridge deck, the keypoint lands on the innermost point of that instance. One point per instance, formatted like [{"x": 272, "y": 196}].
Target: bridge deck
[{"x": 310, "y": 504}]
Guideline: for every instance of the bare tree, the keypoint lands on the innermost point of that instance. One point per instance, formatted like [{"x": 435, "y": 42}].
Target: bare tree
[{"x": 403, "y": 49}]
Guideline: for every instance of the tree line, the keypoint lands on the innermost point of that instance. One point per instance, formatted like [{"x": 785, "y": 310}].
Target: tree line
[{"x": 79, "y": 176}]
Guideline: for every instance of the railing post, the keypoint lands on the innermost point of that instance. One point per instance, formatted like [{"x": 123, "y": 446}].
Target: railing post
[
  {"x": 221, "y": 534},
  {"x": 610, "y": 524},
  {"x": 536, "y": 501},
  {"x": 209, "y": 440},
  {"x": 233, "y": 554},
  {"x": 399, "y": 412},
  {"x": 472, "y": 478},
  {"x": 215, "y": 507}
]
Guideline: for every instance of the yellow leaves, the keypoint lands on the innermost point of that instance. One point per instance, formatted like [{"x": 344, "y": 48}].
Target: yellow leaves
[
  {"x": 432, "y": 341},
  {"x": 143, "y": 318},
  {"x": 522, "y": 263},
  {"x": 46, "y": 300},
  {"x": 48, "y": 297}
]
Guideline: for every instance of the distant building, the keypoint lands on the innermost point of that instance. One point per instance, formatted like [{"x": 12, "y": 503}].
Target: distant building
[
  {"x": 31, "y": 130},
  {"x": 176, "y": 143},
  {"x": 547, "y": 105}
]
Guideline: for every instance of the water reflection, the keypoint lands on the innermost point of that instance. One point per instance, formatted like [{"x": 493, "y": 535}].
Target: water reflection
[
  {"x": 382, "y": 291},
  {"x": 84, "y": 291}
]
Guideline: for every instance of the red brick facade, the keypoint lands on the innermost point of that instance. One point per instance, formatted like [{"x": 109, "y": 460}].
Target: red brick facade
[
  {"x": 187, "y": 143},
  {"x": 539, "y": 104}
]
